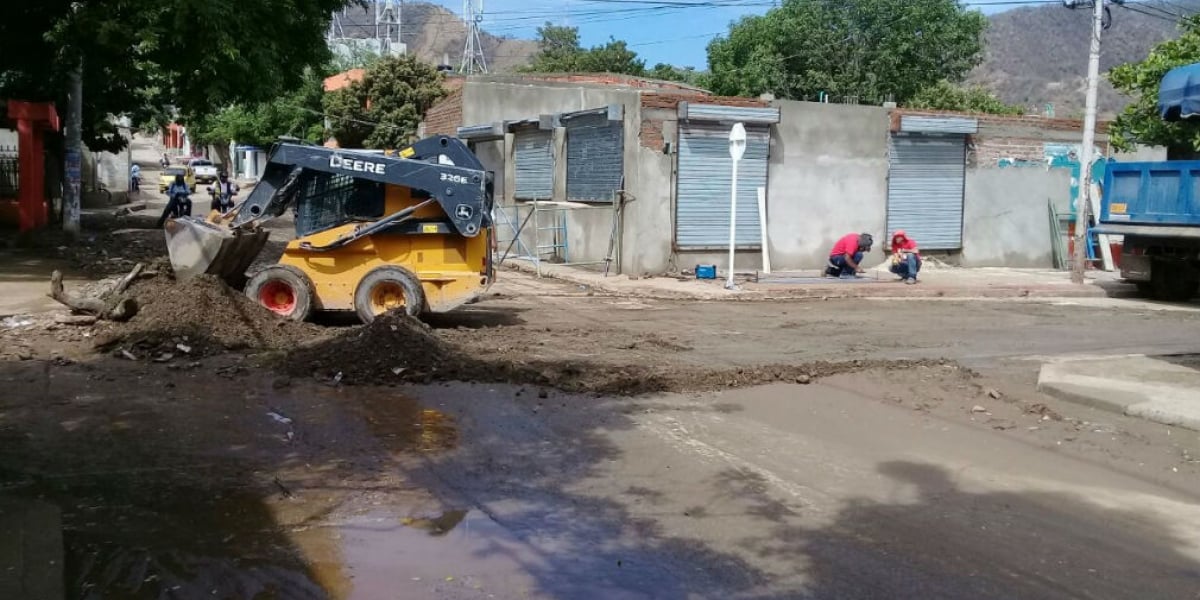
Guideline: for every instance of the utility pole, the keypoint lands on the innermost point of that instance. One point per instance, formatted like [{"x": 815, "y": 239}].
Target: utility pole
[
  {"x": 74, "y": 149},
  {"x": 1084, "y": 202}
]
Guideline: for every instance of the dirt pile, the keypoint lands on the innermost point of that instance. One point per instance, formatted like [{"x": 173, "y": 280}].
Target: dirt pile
[
  {"x": 203, "y": 315},
  {"x": 399, "y": 349},
  {"x": 394, "y": 347},
  {"x": 637, "y": 379}
]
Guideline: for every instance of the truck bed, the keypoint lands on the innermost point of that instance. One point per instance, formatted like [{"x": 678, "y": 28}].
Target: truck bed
[{"x": 1152, "y": 194}]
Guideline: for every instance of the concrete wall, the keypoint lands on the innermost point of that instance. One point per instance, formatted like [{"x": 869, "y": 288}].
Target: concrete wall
[
  {"x": 645, "y": 232},
  {"x": 828, "y": 177},
  {"x": 648, "y": 225},
  {"x": 1006, "y": 220},
  {"x": 110, "y": 170},
  {"x": 1143, "y": 154}
]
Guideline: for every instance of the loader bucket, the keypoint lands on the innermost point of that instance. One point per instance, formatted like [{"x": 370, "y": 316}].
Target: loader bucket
[{"x": 197, "y": 246}]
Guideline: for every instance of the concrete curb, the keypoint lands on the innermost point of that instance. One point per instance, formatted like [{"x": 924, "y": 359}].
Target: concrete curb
[
  {"x": 1144, "y": 394},
  {"x": 752, "y": 293}
]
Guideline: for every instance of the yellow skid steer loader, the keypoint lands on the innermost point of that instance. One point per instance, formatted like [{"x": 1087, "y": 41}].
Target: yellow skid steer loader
[{"x": 374, "y": 232}]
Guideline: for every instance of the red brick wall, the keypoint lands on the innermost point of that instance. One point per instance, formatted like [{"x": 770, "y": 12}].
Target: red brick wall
[
  {"x": 651, "y": 134},
  {"x": 987, "y": 151},
  {"x": 610, "y": 79},
  {"x": 672, "y": 100},
  {"x": 1001, "y": 121},
  {"x": 1020, "y": 138},
  {"x": 445, "y": 117}
]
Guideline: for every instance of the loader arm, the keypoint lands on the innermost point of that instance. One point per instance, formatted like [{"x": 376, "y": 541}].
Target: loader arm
[{"x": 463, "y": 189}]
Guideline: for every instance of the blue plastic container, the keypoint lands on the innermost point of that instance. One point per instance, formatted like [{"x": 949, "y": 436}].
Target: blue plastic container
[{"x": 706, "y": 271}]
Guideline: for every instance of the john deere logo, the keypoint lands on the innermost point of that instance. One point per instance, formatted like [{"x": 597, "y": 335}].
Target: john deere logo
[
  {"x": 354, "y": 164},
  {"x": 462, "y": 211}
]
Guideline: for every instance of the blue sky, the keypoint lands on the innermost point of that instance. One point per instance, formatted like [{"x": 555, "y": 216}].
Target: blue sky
[{"x": 671, "y": 35}]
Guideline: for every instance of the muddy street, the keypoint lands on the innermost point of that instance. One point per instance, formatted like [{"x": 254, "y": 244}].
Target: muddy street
[{"x": 547, "y": 442}]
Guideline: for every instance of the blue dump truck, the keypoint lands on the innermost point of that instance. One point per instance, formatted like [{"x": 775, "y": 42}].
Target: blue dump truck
[{"x": 1156, "y": 205}]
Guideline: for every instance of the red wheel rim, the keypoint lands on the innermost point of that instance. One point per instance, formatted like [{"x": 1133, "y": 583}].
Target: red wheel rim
[{"x": 278, "y": 297}]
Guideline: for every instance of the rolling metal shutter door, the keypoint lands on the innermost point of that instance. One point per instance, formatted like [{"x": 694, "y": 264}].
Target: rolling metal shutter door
[
  {"x": 595, "y": 157},
  {"x": 925, "y": 189},
  {"x": 702, "y": 199},
  {"x": 534, "y": 153}
]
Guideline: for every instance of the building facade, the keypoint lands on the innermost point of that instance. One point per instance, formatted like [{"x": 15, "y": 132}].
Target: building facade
[{"x": 636, "y": 174}]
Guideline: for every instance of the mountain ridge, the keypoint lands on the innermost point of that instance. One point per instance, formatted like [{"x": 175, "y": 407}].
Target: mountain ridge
[{"x": 1034, "y": 56}]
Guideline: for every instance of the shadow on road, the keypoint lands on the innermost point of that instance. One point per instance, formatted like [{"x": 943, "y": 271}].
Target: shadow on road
[{"x": 947, "y": 542}]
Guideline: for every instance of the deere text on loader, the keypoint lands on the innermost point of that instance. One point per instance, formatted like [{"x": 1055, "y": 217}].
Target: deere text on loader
[{"x": 374, "y": 232}]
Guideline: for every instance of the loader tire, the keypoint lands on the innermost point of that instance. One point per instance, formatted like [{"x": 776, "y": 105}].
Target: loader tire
[
  {"x": 283, "y": 290},
  {"x": 385, "y": 289}
]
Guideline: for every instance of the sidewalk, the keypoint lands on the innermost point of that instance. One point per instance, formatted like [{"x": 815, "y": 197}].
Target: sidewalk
[
  {"x": 944, "y": 282},
  {"x": 1163, "y": 389}
]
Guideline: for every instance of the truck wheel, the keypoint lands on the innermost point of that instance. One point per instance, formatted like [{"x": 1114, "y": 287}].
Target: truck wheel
[
  {"x": 1173, "y": 282},
  {"x": 283, "y": 290},
  {"x": 388, "y": 288}
]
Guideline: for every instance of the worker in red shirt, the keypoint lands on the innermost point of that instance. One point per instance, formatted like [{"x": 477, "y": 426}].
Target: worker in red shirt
[
  {"x": 847, "y": 253},
  {"x": 906, "y": 259}
]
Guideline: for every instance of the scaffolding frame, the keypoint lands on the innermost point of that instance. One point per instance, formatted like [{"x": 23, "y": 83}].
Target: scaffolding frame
[{"x": 546, "y": 221}]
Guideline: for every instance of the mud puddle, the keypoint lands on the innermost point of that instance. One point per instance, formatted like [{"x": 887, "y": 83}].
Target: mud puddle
[
  {"x": 140, "y": 542},
  {"x": 455, "y": 553},
  {"x": 232, "y": 487}
]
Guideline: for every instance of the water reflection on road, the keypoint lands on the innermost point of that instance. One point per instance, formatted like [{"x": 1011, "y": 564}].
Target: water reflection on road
[{"x": 235, "y": 491}]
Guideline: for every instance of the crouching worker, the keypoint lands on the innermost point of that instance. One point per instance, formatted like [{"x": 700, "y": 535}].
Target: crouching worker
[
  {"x": 847, "y": 254},
  {"x": 906, "y": 260}
]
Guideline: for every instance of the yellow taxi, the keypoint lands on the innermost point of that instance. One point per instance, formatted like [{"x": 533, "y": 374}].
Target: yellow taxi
[{"x": 168, "y": 177}]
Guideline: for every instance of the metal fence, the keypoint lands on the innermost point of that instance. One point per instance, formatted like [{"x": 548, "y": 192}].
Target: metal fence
[{"x": 9, "y": 182}]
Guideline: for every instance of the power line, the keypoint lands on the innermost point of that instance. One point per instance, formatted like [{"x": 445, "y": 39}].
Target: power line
[{"x": 1162, "y": 16}]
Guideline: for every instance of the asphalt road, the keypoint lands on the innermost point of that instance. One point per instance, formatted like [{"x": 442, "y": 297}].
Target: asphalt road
[
  {"x": 920, "y": 484},
  {"x": 795, "y": 491},
  {"x": 933, "y": 482}
]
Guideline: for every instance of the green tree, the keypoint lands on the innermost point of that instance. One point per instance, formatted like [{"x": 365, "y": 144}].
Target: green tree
[
  {"x": 139, "y": 56},
  {"x": 873, "y": 49},
  {"x": 384, "y": 109},
  {"x": 294, "y": 114},
  {"x": 1140, "y": 122},
  {"x": 667, "y": 72},
  {"x": 944, "y": 95},
  {"x": 354, "y": 54},
  {"x": 613, "y": 57},
  {"x": 559, "y": 52}
]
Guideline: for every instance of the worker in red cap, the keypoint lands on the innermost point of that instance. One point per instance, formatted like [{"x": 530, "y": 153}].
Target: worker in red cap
[{"x": 906, "y": 259}]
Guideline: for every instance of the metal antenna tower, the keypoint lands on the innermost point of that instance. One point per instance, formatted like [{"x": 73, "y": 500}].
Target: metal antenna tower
[
  {"x": 336, "y": 31},
  {"x": 383, "y": 38},
  {"x": 387, "y": 27},
  {"x": 473, "y": 61}
]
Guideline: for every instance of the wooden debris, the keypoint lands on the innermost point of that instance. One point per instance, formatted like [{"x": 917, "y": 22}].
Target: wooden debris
[{"x": 110, "y": 306}]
